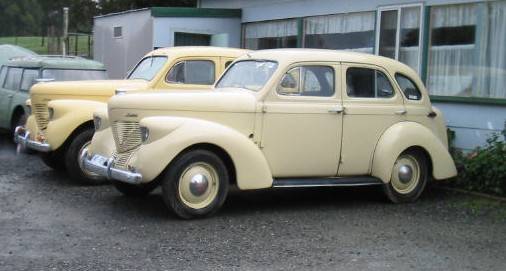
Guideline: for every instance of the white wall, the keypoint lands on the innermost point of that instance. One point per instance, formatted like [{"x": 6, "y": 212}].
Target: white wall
[
  {"x": 227, "y": 31},
  {"x": 260, "y": 10},
  {"x": 121, "y": 54}
]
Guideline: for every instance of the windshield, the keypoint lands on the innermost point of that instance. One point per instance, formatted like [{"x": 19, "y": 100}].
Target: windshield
[
  {"x": 148, "y": 68},
  {"x": 73, "y": 75},
  {"x": 248, "y": 74}
]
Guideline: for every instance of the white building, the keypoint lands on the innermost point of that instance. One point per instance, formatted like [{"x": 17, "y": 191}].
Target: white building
[{"x": 457, "y": 46}]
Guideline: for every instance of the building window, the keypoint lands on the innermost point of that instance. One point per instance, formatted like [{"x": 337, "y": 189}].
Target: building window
[
  {"x": 271, "y": 34},
  {"x": 351, "y": 31},
  {"x": 467, "y": 56},
  {"x": 117, "y": 32},
  {"x": 399, "y": 34}
]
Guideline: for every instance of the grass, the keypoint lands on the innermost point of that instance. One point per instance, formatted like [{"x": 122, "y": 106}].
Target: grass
[{"x": 34, "y": 43}]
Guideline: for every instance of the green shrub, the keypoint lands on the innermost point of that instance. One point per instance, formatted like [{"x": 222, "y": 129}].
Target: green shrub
[{"x": 484, "y": 169}]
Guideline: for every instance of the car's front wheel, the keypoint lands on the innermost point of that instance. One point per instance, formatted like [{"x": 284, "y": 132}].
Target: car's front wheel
[
  {"x": 74, "y": 151},
  {"x": 409, "y": 177},
  {"x": 196, "y": 184},
  {"x": 53, "y": 159}
]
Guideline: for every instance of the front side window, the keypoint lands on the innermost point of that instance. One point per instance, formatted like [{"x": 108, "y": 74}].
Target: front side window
[
  {"x": 73, "y": 75},
  {"x": 29, "y": 77},
  {"x": 408, "y": 87},
  {"x": 308, "y": 81},
  {"x": 199, "y": 72},
  {"x": 367, "y": 83},
  {"x": 13, "y": 78},
  {"x": 248, "y": 74},
  {"x": 148, "y": 68}
]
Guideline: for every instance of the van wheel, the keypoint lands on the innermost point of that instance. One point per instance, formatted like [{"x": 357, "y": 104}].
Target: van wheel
[
  {"x": 409, "y": 177},
  {"x": 135, "y": 190},
  {"x": 74, "y": 167},
  {"x": 196, "y": 184},
  {"x": 53, "y": 160}
]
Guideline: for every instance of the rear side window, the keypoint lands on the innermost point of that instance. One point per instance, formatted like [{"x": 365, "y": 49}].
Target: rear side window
[
  {"x": 13, "y": 78},
  {"x": 29, "y": 77},
  {"x": 408, "y": 87},
  {"x": 367, "y": 83},
  {"x": 199, "y": 72},
  {"x": 308, "y": 81},
  {"x": 3, "y": 72}
]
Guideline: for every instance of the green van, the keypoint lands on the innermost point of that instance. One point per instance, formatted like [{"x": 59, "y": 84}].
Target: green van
[{"x": 18, "y": 74}]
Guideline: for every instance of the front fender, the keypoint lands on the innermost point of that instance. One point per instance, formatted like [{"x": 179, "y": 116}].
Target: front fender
[
  {"x": 68, "y": 115},
  {"x": 171, "y": 135},
  {"x": 404, "y": 135}
]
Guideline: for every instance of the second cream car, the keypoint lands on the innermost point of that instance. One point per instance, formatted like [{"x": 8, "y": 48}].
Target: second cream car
[
  {"x": 277, "y": 118},
  {"x": 61, "y": 125}
]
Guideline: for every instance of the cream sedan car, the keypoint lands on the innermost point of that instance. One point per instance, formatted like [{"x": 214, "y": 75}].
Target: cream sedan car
[{"x": 276, "y": 118}]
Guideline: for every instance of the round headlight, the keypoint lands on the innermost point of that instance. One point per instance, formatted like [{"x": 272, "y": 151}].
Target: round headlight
[
  {"x": 50, "y": 114},
  {"x": 97, "y": 121},
  {"x": 144, "y": 133}
]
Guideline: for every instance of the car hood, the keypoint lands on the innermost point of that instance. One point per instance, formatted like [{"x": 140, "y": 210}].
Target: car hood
[
  {"x": 87, "y": 88},
  {"x": 229, "y": 100}
]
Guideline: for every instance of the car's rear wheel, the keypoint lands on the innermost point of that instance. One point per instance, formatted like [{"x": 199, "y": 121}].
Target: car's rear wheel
[
  {"x": 135, "y": 190},
  {"x": 74, "y": 151},
  {"x": 409, "y": 177},
  {"x": 196, "y": 184}
]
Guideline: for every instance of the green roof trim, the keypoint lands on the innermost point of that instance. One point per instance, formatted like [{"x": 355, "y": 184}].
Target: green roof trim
[
  {"x": 195, "y": 12},
  {"x": 469, "y": 100},
  {"x": 55, "y": 62}
]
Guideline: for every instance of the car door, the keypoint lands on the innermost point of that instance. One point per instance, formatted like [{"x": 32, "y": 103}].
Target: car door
[
  {"x": 191, "y": 73},
  {"x": 9, "y": 88},
  {"x": 302, "y": 120},
  {"x": 371, "y": 105}
]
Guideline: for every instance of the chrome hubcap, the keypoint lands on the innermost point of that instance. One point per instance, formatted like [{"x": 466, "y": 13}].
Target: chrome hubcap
[
  {"x": 405, "y": 173},
  {"x": 198, "y": 185}
]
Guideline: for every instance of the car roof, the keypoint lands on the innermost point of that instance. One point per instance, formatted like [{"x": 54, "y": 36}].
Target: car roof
[
  {"x": 183, "y": 51},
  {"x": 55, "y": 62},
  {"x": 8, "y": 51},
  {"x": 325, "y": 55}
]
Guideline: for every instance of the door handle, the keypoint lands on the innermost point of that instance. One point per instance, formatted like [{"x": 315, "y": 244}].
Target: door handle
[
  {"x": 400, "y": 112},
  {"x": 336, "y": 110}
]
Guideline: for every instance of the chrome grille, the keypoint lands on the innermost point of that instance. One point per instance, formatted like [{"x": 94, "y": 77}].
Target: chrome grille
[
  {"x": 121, "y": 159},
  {"x": 127, "y": 135},
  {"x": 41, "y": 115}
]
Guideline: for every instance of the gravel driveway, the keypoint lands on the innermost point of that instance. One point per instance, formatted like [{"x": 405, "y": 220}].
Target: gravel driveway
[{"x": 47, "y": 222}]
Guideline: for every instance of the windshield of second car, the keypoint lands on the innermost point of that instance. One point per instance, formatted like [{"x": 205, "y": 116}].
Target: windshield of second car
[
  {"x": 148, "y": 68},
  {"x": 248, "y": 74}
]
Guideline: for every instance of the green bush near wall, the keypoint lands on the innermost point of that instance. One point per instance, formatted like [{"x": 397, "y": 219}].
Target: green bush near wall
[{"x": 484, "y": 169}]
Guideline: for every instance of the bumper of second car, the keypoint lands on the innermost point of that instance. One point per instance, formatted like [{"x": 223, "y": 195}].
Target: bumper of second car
[
  {"x": 22, "y": 136},
  {"x": 103, "y": 166}
]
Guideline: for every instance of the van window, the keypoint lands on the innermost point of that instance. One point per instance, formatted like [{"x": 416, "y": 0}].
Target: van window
[
  {"x": 408, "y": 87},
  {"x": 13, "y": 78},
  {"x": 29, "y": 76},
  {"x": 367, "y": 83},
  {"x": 3, "y": 72}
]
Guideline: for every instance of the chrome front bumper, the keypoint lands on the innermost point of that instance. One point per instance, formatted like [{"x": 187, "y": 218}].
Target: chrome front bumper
[
  {"x": 22, "y": 137},
  {"x": 103, "y": 166}
]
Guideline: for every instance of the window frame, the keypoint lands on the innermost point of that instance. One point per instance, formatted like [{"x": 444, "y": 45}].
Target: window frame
[
  {"x": 413, "y": 82},
  {"x": 120, "y": 27},
  {"x": 39, "y": 71},
  {"x": 7, "y": 74},
  {"x": 398, "y": 8},
  {"x": 183, "y": 61},
  {"x": 387, "y": 75}
]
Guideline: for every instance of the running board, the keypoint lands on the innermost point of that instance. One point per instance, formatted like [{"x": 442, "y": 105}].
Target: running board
[{"x": 323, "y": 182}]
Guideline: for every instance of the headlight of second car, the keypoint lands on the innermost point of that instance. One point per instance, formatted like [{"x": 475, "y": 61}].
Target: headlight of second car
[
  {"x": 144, "y": 133},
  {"x": 97, "y": 121}
]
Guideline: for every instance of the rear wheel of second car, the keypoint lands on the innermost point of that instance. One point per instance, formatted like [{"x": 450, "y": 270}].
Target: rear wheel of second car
[
  {"x": 196, "y": 184},
  {"x": 74, "y": 151}
]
